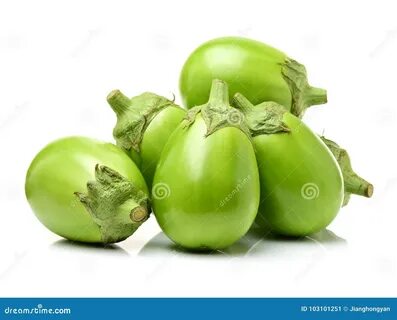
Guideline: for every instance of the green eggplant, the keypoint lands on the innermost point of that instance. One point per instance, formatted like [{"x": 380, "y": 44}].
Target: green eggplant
[
  {"x": 144, "y": 124},
  {"x": 258, "y": 71},
  {"x": 354, "y": 184},
  {"x": 206, "y": 187},
  {"x": 301, "y": 182},
  {"x": 86, "y": 190}
]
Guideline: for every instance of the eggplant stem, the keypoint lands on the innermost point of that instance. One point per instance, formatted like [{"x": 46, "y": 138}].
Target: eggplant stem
[
  {"x": 353, "y": 183},
  {"x": 219, "y": 93},
  {"x": 118, "y": 101},
  {"x": 315, "y": 96},
  {"x": 356, "y": 185},
  {"x": 242, "y": 103}
]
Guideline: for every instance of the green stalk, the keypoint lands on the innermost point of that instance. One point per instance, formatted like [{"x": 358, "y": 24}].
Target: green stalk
[
  {"x": 134, "y": 115},
  {"x": 115, "y": 204},
  {"x": 219, "y": 95},
  {"x": 242, "y": 103},
  {"x": 118, "y": 101},
  {"x": 314, "y": 96},
  {"x": 217, "y": 112},
  {"x": 354, "y": 184},
  {"x": 303, "y": 95},
  {"x": 264, "y": 118}
]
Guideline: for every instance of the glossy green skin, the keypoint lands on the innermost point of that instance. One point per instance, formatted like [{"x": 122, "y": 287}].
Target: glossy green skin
[
  {"x": 212, "y": 187},
  {"x": 64, "y": 167},
  {"x": 155, "y": 138},
  {"x": 249, "y": 67},
  {"x": 287, "y": 162}
]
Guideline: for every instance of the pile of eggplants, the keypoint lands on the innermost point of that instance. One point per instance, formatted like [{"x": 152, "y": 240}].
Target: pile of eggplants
[{"x": 236, "y": 155}]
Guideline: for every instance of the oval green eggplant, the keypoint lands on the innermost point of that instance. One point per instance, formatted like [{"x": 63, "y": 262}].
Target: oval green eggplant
[
  {"x": 206, "y": 187},
  {"x": 144, "y": 124},
  {"x": 258, "y": 71},
  {"x": 86, "y": 190},
  {"x": 301, "y": 182}
]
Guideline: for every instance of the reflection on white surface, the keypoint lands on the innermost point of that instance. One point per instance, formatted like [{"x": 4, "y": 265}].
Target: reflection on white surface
[
  {"x": 256, "y": 261},
  {"x": 149, "y": 264},
  {"x": 252, "y": 244},
  {"x": 79, "y": 247}
]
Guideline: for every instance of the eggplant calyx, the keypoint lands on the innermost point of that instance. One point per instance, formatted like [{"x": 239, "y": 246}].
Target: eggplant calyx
[
  {"x": 265, "y": 118},
  {"x": 134, "y": 116},
  {"x": 303, "y": 95},
  {"x": 115, "y": 204},
  {"x": 190, "y": 116},
  {"x": 353, "y": 183},
  {"x": 217, "y": 112}
]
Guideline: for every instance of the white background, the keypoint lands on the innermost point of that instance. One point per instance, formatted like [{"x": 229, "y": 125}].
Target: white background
[{"x": 58, "y": 61}]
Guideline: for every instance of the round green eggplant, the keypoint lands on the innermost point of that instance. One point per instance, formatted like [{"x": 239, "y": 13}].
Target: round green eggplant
[
  {"x": 258, "y": 71},
  {"x": 301, "y": 182},
  {"x": 86, "y": 190},
  {"x": 206, "y": 187},
  {"x": 144, "y": 124}
]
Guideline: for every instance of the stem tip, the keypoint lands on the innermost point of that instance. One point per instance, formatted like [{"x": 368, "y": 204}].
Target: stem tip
[
  {"x": 118, "y": 101},
  {"x": 138, "y": 214},
  {"x": 369, "y": 191},
  {"x": 112, "y": 94}
]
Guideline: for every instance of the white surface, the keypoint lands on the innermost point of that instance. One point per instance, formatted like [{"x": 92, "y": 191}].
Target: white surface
[{"x": 58, "y": 61}]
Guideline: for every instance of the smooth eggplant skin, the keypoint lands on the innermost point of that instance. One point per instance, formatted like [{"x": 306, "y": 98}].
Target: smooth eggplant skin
[
  {"x": 301, "y": 182},
  {"x": 206, "y": 189},
  {"x": 64, "y": 167},
  {"x": 155, "y": 138},
  {"x": 247, "y": 66}
]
